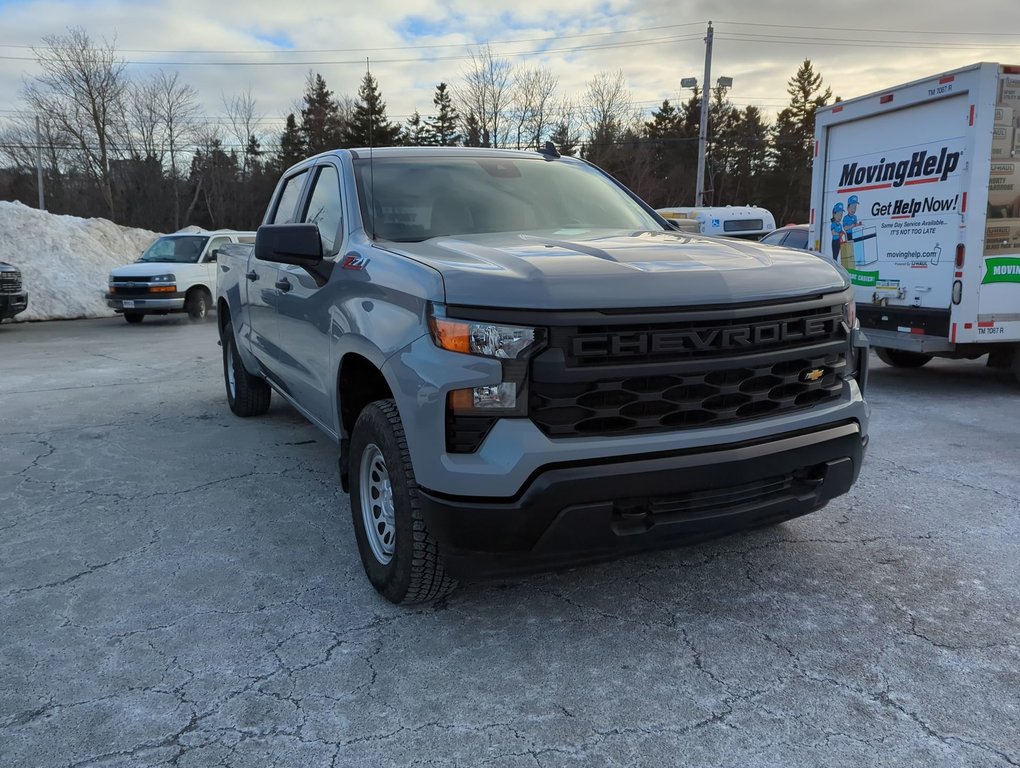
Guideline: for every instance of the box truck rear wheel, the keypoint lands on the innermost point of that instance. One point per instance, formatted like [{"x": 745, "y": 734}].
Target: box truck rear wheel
[{"x": 901, "y": 358}]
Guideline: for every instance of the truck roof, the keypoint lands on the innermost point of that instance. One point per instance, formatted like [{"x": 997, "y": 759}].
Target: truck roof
[{"x": 900, "y": 86}]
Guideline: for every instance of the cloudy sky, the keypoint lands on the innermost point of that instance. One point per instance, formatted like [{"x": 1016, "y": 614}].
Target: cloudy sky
[{"x": 225, "y": 47}]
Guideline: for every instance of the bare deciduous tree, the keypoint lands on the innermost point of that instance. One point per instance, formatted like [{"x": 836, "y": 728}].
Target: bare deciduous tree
[
  {"x": 82, "y": 90},
  {"x": 178, "y": 106},
  {"x": 245, "y": 124},
  {"x": 606, "y": 112},
  {"x": 487, "y": 94},
  {"x": 533, "y": 95},
  {"x": 144, "y": 120}
]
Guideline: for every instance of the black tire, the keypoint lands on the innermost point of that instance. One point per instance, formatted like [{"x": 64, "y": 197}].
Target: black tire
[
  {"x": 414, "y": 572},
  {"x": 197, "y": 304},
  {"x": 901, "y": 358},
  {"x": 247, "y": 395},
  {"x": 134, "y": 317}
]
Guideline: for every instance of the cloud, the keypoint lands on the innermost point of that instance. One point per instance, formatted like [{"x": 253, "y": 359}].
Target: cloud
[{"x": 861, "y": 48}]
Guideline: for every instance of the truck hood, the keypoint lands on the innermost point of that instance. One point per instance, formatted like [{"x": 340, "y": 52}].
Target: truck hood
[
  {"x": 149, "y": 268},
  {"x": 619, "y": 269}
]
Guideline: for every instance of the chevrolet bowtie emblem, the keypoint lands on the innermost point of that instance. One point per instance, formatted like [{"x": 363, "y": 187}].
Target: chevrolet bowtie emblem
[{"x": 813, "y": 375}]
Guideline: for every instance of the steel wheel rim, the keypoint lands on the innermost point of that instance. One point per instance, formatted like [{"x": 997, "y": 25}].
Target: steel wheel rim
[{"x": 377, "y": 504}]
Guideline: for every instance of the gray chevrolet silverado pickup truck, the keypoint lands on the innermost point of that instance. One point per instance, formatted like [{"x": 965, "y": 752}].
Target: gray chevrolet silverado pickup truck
[{"x": 523, "y": 365}]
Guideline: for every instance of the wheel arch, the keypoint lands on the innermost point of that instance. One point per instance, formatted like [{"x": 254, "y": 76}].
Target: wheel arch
[{"x": 359, "y": 381}]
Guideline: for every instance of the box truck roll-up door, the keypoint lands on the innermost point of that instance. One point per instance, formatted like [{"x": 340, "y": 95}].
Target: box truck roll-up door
[{"x": 893, "y": 196}]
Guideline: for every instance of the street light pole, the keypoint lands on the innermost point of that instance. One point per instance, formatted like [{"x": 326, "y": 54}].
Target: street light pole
[{"x": 699, "y": 199}]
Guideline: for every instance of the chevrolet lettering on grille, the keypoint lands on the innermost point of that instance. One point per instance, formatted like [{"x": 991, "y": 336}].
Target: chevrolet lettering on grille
[{"x": 701, "y": 339}]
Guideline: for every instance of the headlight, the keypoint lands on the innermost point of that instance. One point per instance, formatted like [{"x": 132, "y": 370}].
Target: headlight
[
  {"x": 510, "y": 344},
  {"x": 506, "y": 342},
  {"x": 163, "y": 279}
]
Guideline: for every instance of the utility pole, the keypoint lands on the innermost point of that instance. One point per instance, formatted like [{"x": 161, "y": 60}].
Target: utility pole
[
  {"x": 699, "y": 198},
  {"x": 38, "y": 163}
]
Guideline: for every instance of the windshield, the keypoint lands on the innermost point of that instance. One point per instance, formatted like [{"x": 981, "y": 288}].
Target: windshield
[
  {"x": 175, "y": 249},
  {"x": 416, "y": 198}
]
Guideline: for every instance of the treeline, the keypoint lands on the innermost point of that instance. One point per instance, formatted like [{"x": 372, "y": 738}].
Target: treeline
[{"x": 139, "y": 152}]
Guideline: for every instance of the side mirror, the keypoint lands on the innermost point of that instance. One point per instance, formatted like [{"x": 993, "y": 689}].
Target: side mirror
[
  {"x": 673, "y": 223},
  {"x": 297, "y": 244}
]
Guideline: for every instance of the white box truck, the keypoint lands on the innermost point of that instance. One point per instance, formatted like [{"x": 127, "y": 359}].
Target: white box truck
[{"x": 915, "y": 190}]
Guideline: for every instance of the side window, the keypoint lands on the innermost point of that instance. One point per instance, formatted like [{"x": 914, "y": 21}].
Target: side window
[
  {"x": 774, "y": 238},
  {"x": 797, "y": 239},
  {"x": 215, "y": 243},
  {"x": 286, "y": 209},
  {"x": 325, "y": 209}
]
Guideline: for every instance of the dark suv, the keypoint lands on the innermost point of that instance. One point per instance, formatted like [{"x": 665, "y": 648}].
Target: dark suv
[{"x": 13, "y": 298}]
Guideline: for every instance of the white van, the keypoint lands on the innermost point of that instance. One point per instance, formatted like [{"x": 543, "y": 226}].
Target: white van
[
  {"x": 747, "y": 221},
  {"x": 177, "y": 273}
]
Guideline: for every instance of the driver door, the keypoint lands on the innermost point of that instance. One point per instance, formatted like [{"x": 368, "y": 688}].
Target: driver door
[{"x": 303, "y": 307}]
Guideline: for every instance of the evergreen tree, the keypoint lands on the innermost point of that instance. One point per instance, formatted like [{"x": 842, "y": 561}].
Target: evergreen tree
[
  {"x": 673, "y": 155},
  {"x": 253, "y": 154},
  {"x": 321, "y": 127},
  {"x": 369, "y": 126},
  {"x": 564, "y": 139},
  {"x": 292, "y": 145},
  {"x": 722, "y": 136},
  {"x": 415, "y": 132},
  {"x": 793, "y": 143},
  {"x": 749, "y": 142},
  {"x": 442, "y": 128},
  {"x": 472, "y": 131}
]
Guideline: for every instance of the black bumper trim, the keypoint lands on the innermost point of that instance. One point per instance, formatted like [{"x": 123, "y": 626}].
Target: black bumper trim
[
  {"x": 588, "y": 511},
  {"x": 12, "y": 304}
]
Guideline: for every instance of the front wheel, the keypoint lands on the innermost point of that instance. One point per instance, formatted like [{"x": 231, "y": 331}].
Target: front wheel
[
  {"x": 134, "y": 317},
  {"x": 400, "y": 557},
  {"x": 197, "y": 305},
  {"x": 247, "y": 395},
  {"x": 901, "y": 358}
]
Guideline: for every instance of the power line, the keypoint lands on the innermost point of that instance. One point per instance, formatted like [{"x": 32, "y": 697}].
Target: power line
[
  {"x": 361, "y": 61},
  {"x": 657, "y": 28},
  {"x": 860, "y": 43},
  {"x": 853, "y": 29}
]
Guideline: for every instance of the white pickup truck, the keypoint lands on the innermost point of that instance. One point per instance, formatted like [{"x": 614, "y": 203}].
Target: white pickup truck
[{"x": 177, "y": 273}]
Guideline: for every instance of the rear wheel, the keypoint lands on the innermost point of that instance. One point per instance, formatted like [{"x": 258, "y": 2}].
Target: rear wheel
[
  {"x": 197, "y": 304},
  {"x": 400, "y": 557},
  {"x": 247, "y": 395},
  {"x": 134, "y": 317},
  {"x": 901, "y": 358}
]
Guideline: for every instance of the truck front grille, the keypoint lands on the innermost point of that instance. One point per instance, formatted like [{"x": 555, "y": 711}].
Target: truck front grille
[
  {"x": 130, "y": 290},
  {"x": 626, "y": 379},
  {"x": 657, "y": 403},
  {"x": 10, "y": 282}
]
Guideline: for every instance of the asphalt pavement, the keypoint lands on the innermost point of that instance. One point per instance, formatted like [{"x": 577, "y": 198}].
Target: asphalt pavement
[{"x": 181, "y": 587}]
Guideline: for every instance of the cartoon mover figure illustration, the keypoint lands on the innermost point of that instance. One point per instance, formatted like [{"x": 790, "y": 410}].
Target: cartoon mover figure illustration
[
  {"x": 836, "y": 226},
  {"x": 850, "y": 220}
]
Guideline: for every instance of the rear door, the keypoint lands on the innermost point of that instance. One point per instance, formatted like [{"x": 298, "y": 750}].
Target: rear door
[
  {"x": 894, "y": 184},
  {"x": 262, "y": 277}
]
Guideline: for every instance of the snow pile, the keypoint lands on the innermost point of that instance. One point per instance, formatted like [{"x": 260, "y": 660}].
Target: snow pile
[{"x": 65, "y": 261}]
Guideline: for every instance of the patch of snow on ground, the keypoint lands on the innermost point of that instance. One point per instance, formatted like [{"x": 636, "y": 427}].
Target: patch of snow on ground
[{"x": 65, "y": 261}]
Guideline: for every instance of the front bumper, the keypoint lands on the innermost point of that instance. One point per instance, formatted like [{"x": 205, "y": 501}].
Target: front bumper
[
  {"x": 12, "y": 303},
  {"x": 580, "y": 512},
  {"x": 144, "y": 304}
]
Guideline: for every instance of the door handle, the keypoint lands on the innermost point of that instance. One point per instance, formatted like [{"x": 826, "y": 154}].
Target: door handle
[
  {"x": 253, "y": 275},
  {"x": 283, "y": 285}
]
